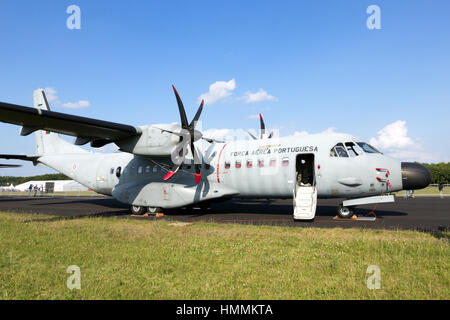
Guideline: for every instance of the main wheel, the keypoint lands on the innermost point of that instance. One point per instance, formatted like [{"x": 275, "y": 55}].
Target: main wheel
[
  {"x": 345, "y": 212},
  {"x": 154, "y": 210},
  {"x": 138, "y": 210}
]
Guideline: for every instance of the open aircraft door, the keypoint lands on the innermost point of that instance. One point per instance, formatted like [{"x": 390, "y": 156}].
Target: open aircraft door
[{"x": 305, "y": 191}]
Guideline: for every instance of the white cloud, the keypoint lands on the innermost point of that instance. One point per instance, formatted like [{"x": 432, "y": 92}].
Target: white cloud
[
  {"x": 52, "y": 95},
  {"x": 218, "y": 90},
  {"x": 394, "y": 141},
  {"x": 393, "y": 136},
  {"x": 218, "y": 134},
  {"x": 259, "y": 96},
  {"x": 330, "y": 130},
  {"x": 76, "y": 105},
  {"x": 53, "y": 100},
  {"x": 301, "y": 133}
]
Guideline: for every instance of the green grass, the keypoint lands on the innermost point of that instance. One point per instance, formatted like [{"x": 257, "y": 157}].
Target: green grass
[
  {"x": 430, "y": 191},
  {"x": 136, "y": 259}
]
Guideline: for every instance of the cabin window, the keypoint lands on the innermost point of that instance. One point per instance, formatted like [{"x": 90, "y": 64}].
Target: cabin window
[
  {"x": 249, "y": 164},
  {"x": 147, "y": 169},
  {"x": 238, "y": 164},
  {"x": 155, "y": 168},
  {"x": 140, "y": 169},
  {"x": 273, "y": 163},
  {"x": 285, "y": 162},
  {"x": 261, "y": 163},
  {"x": 227, "y": 165},
  {"x": 111, "y": 171},
  {"x": 118, "y": 171}
]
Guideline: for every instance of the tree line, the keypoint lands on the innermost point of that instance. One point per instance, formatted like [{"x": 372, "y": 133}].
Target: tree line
[
  {"x": 439, "y": 171},
  {"x": 6, "y": 181}
]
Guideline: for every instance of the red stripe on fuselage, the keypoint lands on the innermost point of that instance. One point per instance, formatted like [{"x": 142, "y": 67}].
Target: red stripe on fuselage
[{"x": 218, "y": 162}]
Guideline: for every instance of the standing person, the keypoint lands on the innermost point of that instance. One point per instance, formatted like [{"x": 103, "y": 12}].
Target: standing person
[
  {"x": 30, "y": 189},
  {"x": 441, "y": 190},
  {"x": 41, "y": 190},
  {"x": 35, "y": 190}
]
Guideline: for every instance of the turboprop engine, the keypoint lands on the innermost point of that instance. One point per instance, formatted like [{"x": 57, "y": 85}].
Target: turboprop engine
[{"x": 155, "y": 140}]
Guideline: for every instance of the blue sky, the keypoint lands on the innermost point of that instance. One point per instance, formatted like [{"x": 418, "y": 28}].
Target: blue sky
[{"x": 318, "y": 64}]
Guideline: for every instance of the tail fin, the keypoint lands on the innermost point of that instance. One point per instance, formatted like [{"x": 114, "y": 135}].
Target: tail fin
[{"x": 50, "y": 142}]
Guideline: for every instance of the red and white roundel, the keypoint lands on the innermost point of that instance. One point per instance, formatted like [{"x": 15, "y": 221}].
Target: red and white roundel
[{"x": 74, "y": 167}]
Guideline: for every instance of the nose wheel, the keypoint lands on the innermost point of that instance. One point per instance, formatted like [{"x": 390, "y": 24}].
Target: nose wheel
[{"x": 345, "y": 212}]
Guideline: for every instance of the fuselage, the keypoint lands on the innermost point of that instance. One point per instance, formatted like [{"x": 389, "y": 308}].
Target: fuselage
[{"x": 265, "y": 168}]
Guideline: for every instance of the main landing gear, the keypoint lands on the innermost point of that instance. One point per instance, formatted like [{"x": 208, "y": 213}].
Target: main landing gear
[
  {"x": 138, "y": 210},
  {"x": 345, "y": 212}
]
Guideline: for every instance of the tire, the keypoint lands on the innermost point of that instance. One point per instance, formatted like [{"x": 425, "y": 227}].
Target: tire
[
  {"x": 154, "y": 210},
  {"x": 137, "y": 210},
  {"x": 345, "y": 212}
]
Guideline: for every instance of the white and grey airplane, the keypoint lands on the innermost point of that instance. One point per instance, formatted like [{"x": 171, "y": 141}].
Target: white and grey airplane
[{"x": 169, "y": 166}]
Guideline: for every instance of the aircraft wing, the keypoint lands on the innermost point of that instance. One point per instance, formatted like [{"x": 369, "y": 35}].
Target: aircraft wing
[{"x": 86, "y": 129}]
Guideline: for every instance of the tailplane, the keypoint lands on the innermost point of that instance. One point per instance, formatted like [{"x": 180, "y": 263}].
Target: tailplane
[{"x": 50, "y": 142}]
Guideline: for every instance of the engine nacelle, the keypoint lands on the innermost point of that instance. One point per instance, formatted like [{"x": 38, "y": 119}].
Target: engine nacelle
[{"x": 153, "y": 141}]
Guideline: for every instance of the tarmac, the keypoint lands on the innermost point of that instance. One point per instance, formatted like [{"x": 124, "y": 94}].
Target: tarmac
[{"x": 424, "y": 214}]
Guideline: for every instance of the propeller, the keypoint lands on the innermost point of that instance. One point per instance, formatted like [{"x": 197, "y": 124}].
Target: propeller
[
  {"x": 263, "y": 130},
  {"x": 189, "y": 133}
]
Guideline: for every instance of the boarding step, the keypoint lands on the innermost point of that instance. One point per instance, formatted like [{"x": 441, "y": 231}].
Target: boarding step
[{"x": 305, "y": 200}]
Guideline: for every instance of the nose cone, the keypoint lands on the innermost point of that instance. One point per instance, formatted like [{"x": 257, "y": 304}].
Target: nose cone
[{"x": 415, "y": 176}]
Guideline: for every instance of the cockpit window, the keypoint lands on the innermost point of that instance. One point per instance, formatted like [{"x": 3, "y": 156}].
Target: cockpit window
[
  {"x": 339, "y": 151},
  {"x": 367, "y": 147},
  {"x": 352, "y": 150}
]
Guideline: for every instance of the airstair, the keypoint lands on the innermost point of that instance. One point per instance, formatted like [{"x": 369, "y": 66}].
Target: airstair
[{"x": 305, "y": 202}]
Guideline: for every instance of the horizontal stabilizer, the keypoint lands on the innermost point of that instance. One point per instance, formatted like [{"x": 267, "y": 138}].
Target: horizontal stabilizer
[
  {"x": 3, "y": 165},
  {"x": 18, "y": 157}
]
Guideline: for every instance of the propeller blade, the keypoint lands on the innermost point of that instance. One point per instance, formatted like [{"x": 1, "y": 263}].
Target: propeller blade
[
  {"x": 197, "y": 164},
  {"x": 263, "y": 126},
  {"x": 184, "y": 122},
  {"x": 251, "y": 135},
  {"x": 197, "y": 115},
  {"x": 171, "y": 173}
]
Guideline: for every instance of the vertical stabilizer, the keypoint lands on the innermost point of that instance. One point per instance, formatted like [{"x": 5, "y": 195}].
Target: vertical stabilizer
[{"x": 50, "y": 142}]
